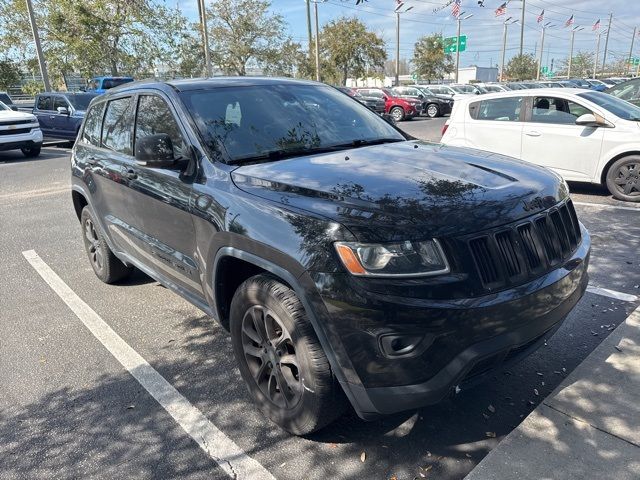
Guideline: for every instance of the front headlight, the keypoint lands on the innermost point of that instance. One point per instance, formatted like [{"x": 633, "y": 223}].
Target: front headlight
[{"x": 401, "y": 259}]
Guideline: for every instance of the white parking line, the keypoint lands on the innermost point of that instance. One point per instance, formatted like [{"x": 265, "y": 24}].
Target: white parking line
[
  {"x": 603, "y": 205},
  {"x": 214, "y": 442},
  {"x": 625, "y": 297}
]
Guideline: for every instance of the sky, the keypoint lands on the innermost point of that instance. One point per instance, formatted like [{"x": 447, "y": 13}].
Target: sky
[{"x": 484, "y": 30}]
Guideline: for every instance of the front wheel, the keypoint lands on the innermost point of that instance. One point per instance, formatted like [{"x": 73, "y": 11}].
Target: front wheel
[
  {"x": 31, "y": 152},
  {"x": 433, "y": 111},
  {"x": 397, "y": 113},
  {"x": 623, "y": 179},
  {"x": 280, "y": 357}
]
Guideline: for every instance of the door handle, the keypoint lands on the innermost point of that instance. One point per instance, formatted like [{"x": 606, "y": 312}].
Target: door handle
[
  {"x": 533, "y": 133},
  {"x": 130, "y": 174}
]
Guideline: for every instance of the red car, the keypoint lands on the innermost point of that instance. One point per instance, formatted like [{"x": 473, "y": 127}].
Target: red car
[{"x": 398, "y": 107}]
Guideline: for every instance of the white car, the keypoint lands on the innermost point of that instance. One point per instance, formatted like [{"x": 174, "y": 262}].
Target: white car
[
  {"x": 583, "y": 135},
  {"x": 19, "y": 130}
]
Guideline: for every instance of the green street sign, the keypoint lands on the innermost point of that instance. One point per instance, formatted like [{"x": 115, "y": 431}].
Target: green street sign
[
  {"x": 415, "y": 76},
  {"x": 634, "y": 61},
  {"x": 550, "y": 74},
  {"x": 450, "y": 44},
  {"x": 544, "y": 70}
]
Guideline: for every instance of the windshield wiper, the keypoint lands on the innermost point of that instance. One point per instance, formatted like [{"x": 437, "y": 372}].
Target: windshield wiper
[{"x": 289, "y": 153}]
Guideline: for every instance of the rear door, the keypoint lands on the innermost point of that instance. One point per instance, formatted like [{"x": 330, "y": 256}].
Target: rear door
[
  {"x": 495, "y": 125},
  {"x": 551, "y": 138}
]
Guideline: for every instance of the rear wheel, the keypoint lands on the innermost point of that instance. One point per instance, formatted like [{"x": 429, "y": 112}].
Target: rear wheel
[
  {"x": 280, "y": 357},
  {"x": 432, "y": 110},
  {"x": 31, "y": 152},
  {"x": 106, "y": 265},
  {"x": 623, "y": 179},
  {"x": 397, "y": 113}
]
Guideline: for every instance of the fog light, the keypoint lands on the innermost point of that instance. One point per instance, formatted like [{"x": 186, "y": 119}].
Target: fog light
[{"x": 394, "y": 345}]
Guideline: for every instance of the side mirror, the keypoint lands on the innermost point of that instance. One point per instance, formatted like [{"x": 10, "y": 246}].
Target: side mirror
[
  {"x": 62, "y": 111},
  {"x": 13, "y": 107},
  {"x": 590, "y": 120},
  {"x": 155, "y": 151},
  {"x": 389, "y": 118},
  {"x": 421, "y": 97}
]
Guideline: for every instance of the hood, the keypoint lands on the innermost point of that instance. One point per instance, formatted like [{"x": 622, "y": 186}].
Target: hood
[
  {"x": 407, "y": 190},
  {"x": 10, "y": 115}
]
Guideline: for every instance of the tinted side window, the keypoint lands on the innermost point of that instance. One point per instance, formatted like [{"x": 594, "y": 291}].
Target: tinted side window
[
  {"x": 118, "y": 124},
  {"x": 500, "y": 109},
  {"x": 92, "y": 124},
  {"x": 154, "y": 116},
  {"x": 44, "y": 103},
  {"x": 59, "y": 102},
  {"x": 556, "y": 110}
]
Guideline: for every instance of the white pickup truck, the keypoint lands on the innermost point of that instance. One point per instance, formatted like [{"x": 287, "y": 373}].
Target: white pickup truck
[{"x": 19, "y": 130}]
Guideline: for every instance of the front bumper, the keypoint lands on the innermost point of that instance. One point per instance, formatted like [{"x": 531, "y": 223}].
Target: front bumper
[
  {"x": 15, "y": 142},
  {"x": 464, "y": 339}
]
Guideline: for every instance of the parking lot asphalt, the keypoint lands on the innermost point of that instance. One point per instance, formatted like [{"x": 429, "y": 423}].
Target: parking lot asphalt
[{"x": 69, "y": 409}]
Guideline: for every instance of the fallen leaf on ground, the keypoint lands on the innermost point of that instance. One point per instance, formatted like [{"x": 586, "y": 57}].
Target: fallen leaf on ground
[
  {"x": 491, "y": 408},
  {"x": 363, "y": 457},
  {"x": 490, "y": 434}
]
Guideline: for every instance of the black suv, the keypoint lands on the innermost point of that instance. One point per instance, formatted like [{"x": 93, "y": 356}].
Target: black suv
[
  {"x": 432, "y": 105},
  {"x": 349, "y": 261}
]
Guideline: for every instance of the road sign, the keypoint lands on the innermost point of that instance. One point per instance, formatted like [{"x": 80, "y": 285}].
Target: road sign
[
  {"x": 450, "y": 44},
  {"x": 415, "y": 76},
  {"x": 544, "y": 70},
  {"x": 634, "y": 61}
]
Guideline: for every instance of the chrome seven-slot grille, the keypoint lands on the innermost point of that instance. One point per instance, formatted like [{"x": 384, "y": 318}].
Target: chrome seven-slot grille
[{"x": 528, "y": 248}]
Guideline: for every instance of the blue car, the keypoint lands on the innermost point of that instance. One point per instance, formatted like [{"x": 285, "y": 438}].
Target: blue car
[
  {"x": 60, "y": 114},
  {"x": 102, "y": 84}
]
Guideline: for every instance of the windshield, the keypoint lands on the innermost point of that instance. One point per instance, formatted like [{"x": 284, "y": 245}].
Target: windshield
[
  {"x": 629, "y": 91},
  {"x": 5, "y": 98},
  {"x": 263, "y": 120},
  {"x": 465, "y": 89},
  {"x": 108, "y": 83},
  {"x": 80, "y": 101},
  {"x": 3, "y": 106},
  {"x": 619, "y": 108},
  {"x": 426, "y": 91}
]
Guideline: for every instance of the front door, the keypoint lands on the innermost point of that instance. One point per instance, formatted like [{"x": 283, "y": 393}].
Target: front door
[
  {"x": 45, "y": 113},
  {"x": 63, "y": 124},
  {"x": 552, "y": 139}
]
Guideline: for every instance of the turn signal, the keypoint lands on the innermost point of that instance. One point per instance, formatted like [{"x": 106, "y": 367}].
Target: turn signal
[{"x": 350, "y": 260}]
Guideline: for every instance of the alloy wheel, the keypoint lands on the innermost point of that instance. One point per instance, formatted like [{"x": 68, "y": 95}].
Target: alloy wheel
[
  {"x": 432, "y": 111},
  {"x": 93, "y": 244},
  {"x": 271, "y": 357}
]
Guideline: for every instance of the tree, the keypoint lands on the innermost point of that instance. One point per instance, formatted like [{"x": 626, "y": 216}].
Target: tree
[
  {"x": 244, "y": 33},
  {"x": 9, "y": 74},
  {"x": 581, "y": 65},
  {"x": 351, "y": 49},
  {"x": 522, "y": 67},
  {"x": 429, "y": 59}
]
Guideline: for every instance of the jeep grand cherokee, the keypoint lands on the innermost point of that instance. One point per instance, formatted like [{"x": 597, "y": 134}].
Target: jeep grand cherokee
[{"x": 350, "y": 262}]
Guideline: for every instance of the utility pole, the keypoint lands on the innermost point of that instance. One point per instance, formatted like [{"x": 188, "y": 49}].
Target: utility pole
[
  {"x": 36, "y": 40},
  {"x": 460, "y": 18},
  {"x": 573, "y": 34},
  {"x": 631, "y": 51},
  {"x": 205, "y": 37},
  {"x": 315, "y": 9},
  {"x": 522, "y": 27},
  {"x": 595, "y": 61},
  {"x": 507, "y": 22},
  {"x": 606, "y": 44},
  {"x": 544, "y": 28},
  {"x": 309, "y": 33},
  {"x": 398, "y": 11}
]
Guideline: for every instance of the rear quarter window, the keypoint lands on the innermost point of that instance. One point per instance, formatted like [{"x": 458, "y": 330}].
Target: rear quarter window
[{"x": 92, "y": 124}]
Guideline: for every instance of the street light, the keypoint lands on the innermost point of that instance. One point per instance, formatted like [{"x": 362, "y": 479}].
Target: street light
[
  {"x": 460, "y": 19},
  {"x": 573, "y": 34},
  {"x": 507, "y": 22},
  {"x": 398, "y": 10},
  {"x": 544, "y": 28},
  {"x": 595, "y": 60}
]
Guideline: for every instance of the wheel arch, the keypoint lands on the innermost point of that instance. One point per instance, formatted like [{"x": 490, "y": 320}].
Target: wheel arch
[
  {"x": 79, "y": 201},
  {"x": 607, "y": 166}
]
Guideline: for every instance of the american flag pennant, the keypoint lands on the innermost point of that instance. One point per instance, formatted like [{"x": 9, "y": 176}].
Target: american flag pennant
[
  {"x": 501, "y": 10},
  {"x": 569, "y": 22},
  {"x": 541, "y": 16},
  {"x": 596, "y": 26},
  {"x": 455, "y": 9}
]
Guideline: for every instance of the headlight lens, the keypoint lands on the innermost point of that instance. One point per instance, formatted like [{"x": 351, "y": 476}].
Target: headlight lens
[{"x": 402, "y": 259}]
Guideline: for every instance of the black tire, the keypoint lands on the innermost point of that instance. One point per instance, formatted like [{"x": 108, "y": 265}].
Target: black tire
[
  {"x": 432, "y": 110},
  {"x": 397, "y": 113},
  {"x": 31, "y": 152},
  {"x": 623, "y": 178},
  {"x": 106, "y": 265},
  {"x": 275, "y": 344}
]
